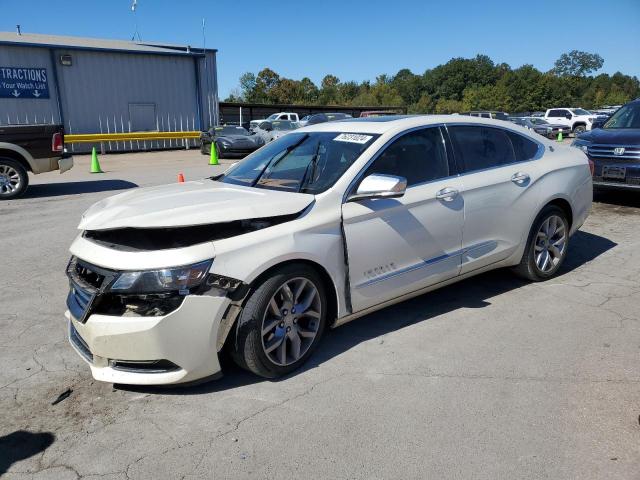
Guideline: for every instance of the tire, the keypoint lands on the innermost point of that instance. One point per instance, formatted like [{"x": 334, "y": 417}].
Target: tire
[
  {"x": 578, "y": 129},
  {"x": 14, "y": 179},
  {"x": 530, "y": 267},
  {"x": 256, "y": 352},
  {"x": 204, "y": 150}
]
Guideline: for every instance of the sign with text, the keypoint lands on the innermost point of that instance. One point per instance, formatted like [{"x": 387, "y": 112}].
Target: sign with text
[{"x": 23, "y": 82}]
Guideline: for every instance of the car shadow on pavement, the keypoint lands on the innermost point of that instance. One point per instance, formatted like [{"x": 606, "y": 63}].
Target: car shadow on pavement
[
  {"x": 75, "y": 188},
  {"x": 474, "y": 292},
  {"x": 20, "y": 445},
  {"x": 622, "y": 198}
]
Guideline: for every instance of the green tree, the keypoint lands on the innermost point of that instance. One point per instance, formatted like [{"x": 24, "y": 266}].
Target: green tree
[{"x": 577, "y": 64}]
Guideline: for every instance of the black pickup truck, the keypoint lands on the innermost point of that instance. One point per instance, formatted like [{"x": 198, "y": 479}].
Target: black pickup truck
[{"x": 29, "y": 148}]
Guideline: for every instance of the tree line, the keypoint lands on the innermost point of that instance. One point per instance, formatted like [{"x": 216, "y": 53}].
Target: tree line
[{"x": 461, "y": 84}]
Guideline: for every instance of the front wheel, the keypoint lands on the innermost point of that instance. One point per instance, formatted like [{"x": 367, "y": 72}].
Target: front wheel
[
  {"x": 546, "y": 246},
  {"x": 14, "y": 179},
  {"x": 282, "y": 322}
]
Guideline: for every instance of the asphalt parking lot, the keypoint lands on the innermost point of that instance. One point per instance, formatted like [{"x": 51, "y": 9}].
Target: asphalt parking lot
[{"x": 490, "y": 378}]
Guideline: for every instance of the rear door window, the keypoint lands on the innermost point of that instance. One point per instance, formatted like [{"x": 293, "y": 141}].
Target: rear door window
[
  {"x": 523, "y": 148},
  {"x": 479, "y": 147}
]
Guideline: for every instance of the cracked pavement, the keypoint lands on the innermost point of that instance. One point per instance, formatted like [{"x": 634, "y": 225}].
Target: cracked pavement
[{"x": 489, "y": 378}]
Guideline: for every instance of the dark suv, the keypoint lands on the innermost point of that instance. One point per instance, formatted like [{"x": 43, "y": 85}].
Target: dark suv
[{"x": 615, "y": 149}]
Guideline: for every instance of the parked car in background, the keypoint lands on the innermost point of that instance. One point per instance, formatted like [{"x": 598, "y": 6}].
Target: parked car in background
[
  {"x": 270, "y": 130},
  {"x": 537, "y": 114},
  {"x": 556, "y": 128},
  {"x": 578, "y": 119},
  {"x": 542, "y": 129},
  {"x": 29, "y": 148},
  {"x": 315, "y": 229},
  {"x": 614, "y": 149},
  {"x": 230, "y": 141},
  {"x": 290, "y": 116},
  {"x": 488, "y": 114},
  {"x": 316, "y": 118},
  {"x": 378, "y": 113}
]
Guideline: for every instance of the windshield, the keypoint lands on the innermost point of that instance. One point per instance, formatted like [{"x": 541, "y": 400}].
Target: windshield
[
  {"x": 283, "y": 125},
  {"x": 273, "y": 117},
  {"x": 580, "y": 111},
  {"x": 627, "y": 117},
  {"x": 538, "y": 121},
  {"x": 307, "y": 162},
  {"x": 220, "y": 131}
]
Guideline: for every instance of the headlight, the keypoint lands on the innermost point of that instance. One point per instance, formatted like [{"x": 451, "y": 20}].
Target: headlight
[
  {"x": 180, "y": 279},
  {"x": 581, "y": 144}
]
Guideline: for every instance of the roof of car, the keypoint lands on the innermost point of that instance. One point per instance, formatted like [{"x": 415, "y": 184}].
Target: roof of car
[{"x": 399, "y": 122}]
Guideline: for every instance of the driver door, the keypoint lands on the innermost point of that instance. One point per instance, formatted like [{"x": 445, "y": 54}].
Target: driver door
[{"x": 399, "y": 245}]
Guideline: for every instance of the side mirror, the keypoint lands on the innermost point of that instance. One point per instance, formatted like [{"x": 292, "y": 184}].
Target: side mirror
[{"x": 380, "y": 186}]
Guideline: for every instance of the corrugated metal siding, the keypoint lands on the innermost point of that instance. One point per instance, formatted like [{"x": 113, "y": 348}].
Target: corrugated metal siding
[
  {"x": 96, "y": 92},
  {"x": 29, "y": 110}
]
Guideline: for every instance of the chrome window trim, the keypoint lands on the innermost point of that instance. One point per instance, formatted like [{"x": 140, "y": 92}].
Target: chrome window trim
[{"x": 450, "y": 154}]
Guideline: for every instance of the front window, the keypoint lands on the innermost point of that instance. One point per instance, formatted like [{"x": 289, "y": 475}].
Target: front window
[
  {"x": 627, "y": 117},
  {"x": 580, "y": 111},
  {"x": 300, "y": 162},
  {"x": 230, "y": 130}
]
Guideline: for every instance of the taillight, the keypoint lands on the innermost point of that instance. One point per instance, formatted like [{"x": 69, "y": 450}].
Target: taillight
[
  {"x": 57, "y": 142},
  {"x": 592, "y": 167}
]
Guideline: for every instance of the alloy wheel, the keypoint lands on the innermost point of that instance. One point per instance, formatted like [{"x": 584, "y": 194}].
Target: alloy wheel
[
  {"x": 551, "y": 243},
  {"x": 9, "y": 180},
  {"x": 291, "y": 321}
]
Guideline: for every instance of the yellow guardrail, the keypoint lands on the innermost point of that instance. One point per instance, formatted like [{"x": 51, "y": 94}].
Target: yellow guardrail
[{"x": 119, "y": 137}]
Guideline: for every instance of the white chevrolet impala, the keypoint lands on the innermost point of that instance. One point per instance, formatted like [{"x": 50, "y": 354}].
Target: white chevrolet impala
[{"x": 321, "y": 226}]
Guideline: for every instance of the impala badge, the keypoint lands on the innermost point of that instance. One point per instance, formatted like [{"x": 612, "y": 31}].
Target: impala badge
[{"x": 618, "y": 151}]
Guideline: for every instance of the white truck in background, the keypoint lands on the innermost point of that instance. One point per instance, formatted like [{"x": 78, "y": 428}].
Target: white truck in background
[
  {"x": 291, "y": 116},
  {"x": 578, "y": 119}
]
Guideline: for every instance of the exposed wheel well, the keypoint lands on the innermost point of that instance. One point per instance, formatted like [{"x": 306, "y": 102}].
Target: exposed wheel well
[
  {"x": 17, "y": 157},
  {"x": 565, "y": 207},
  {"x": 332, "y": 298},
  {"x": 578, "y": 124}
]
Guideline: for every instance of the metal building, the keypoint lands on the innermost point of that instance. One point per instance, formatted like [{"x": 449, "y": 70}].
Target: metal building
[{"x": 106, "y": 86}]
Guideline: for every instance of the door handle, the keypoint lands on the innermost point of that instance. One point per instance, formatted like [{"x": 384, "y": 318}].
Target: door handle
[
  {"x": 447, "y": 194},
  {"x": 520, "y": 178}
]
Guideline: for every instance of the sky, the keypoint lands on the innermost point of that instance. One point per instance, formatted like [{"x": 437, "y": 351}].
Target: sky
[{"x": 352, "y": 39}]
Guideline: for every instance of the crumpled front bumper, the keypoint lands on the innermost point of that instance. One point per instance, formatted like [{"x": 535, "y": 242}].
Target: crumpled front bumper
[{"x": 186, "y": 337}]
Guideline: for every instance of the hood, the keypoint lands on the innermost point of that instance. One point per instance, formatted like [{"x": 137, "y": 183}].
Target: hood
[
  {"x": 191, "y": 203},
  {"x": 613, "y": 136}
]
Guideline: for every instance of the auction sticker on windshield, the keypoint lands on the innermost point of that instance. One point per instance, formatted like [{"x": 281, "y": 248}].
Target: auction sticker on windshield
[{"x": 353, "y": 138}]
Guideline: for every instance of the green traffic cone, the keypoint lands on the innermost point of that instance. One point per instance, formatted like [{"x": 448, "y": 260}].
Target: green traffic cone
[
  {"x": 213, "y": 160},
  {"x": 560, "y": 136},
  {"x": 95, "y": 164}
]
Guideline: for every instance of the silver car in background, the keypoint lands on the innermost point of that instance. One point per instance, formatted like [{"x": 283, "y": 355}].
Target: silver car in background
[{"x": 270, "y": 130}]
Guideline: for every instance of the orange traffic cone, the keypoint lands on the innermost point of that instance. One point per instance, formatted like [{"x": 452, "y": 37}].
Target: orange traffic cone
[{"x": 180, "y": 178}]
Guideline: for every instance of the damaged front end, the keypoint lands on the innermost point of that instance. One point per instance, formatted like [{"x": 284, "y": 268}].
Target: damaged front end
[{"x": 163, "y": 238}]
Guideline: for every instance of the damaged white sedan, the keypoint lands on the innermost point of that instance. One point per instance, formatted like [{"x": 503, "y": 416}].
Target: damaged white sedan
[{"x": 315, "y": 229}]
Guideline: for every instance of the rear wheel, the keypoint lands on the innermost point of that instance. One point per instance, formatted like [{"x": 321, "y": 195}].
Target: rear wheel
[
  {"x": 578, "y": 129},
  {"x": 282, "y": 322},
  {"x": 546, "y": 247},
  {"x": 14, "y": 179}
]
